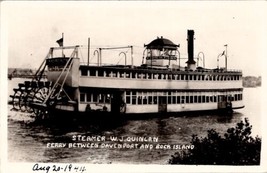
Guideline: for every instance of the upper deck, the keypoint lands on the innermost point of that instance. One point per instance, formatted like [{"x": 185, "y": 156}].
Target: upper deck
[
  {"x": 125, "y": 77},
  {"x": 160, "y": 70}
]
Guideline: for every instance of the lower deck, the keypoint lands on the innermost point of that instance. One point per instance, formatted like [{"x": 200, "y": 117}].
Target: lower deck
[{"x": 138, "y": 101}]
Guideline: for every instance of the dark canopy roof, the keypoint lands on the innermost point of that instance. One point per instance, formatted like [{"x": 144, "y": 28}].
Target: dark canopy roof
[{"x": 161, "y": 43}]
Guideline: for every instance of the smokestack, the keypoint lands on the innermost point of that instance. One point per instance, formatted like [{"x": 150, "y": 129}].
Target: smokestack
[{"x": 190, "y": 49}]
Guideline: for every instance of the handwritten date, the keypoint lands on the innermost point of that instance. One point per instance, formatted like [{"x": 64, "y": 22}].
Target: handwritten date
[{"x": 67, "y": 168}]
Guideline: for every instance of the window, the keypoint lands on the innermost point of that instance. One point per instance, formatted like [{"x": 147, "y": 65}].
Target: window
[
  {"x": 211, "y": 98},
  {"x": 199, "y": 99},
  {"x": 207, "y": 99},
  {"x": 190, "y": 77},
  {"x": 84, "y": 72},
  {"x": 127, "y": 74},
  {"x": 82, "y": 97},
  {"x": 150, "y": 100},
  {"x": 128, "y": 99},
  {"x": 240, "y": 97},
  {"x": 174, "y": 99},
  {"x": 178, "y": 99},
  {"x": 100, "y": 73},
  {"x": 195, "y": 99},
  {"x": 139, "y": 100},
  {"x": 133, "y": 97},
  {"x": 108, "y": 73},
  {"x": 144, "y": 100},
  {"x": 149, "y": 76},
  {"x": 203, "y": 99},
  {"x": 122, "y": 74},
  {"x": 101, "y": 98},
  {"x": 133, "y": 75},
  {"x": 92, "y": 72},
  {"x": 134, "y": 100},
  {"x": 236, "y": 98},
  {"x": 155, "y": 99},
  {"x": 88, "y": 97},
  {"x": 94, "y": 97},
  {"x": 215, "y": 98},
  {"x": 187, "y": 99},
  {"x": 169, "y": 100},
  {"x": 191, "y": 99}
]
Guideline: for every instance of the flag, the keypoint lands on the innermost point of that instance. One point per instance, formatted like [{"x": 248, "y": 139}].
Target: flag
[
  {"x": 60, "y": 42},
  {"x": 223, "y": 53}
]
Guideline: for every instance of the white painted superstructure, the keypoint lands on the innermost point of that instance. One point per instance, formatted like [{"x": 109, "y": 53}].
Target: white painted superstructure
[{"x": 159, "y": 85}]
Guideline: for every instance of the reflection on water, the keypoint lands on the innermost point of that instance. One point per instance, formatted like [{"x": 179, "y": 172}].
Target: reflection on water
[{"x": 28, "y": 141}]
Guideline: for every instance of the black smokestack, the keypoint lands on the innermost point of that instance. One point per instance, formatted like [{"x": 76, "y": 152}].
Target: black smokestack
[{"x": 190, "y": 46}]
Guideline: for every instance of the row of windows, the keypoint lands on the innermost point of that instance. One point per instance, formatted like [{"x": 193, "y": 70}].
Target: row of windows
[
  {"x": 161, "y": 97},
  {"x": 180, "y": 99},
  {"x": 96, "y": 98},
  {"x": 137, "y": 75}
]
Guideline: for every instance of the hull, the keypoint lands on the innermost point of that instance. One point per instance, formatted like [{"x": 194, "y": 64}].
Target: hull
[
  {"x": 110, "y": 120},
  {"x": 105, "y": 118}
]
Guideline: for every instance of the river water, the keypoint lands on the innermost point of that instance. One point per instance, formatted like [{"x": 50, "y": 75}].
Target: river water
[{"x": 30, "y": 142}]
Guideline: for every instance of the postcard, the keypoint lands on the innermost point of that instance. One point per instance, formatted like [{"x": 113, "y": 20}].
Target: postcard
[{"x": 132, "y": 86}]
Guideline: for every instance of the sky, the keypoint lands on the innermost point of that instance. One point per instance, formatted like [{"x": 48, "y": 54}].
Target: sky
[{"x": 31, "y": 28}]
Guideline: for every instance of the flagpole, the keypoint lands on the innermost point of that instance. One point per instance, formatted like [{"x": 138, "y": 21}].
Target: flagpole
[
  {"x": 88, "y": 51},
  {"x": 62, "y": 44},
  {"x": 225, "y": 57}
]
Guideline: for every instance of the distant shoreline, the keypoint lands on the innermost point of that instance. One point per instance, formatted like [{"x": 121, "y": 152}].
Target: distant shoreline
[{"x": 251, "y": 81}]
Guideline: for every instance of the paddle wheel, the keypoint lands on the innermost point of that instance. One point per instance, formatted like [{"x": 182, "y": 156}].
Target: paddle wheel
[
  {"x": 29, "y": 91},
  {"x": 41, "y": 95}
]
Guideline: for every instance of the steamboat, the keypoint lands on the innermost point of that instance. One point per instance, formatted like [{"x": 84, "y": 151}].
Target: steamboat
[{"x": 159, "y": 85}]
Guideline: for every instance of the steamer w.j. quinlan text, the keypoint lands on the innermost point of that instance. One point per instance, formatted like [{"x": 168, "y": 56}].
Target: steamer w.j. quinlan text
[{"x": 159, "y": 85}]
